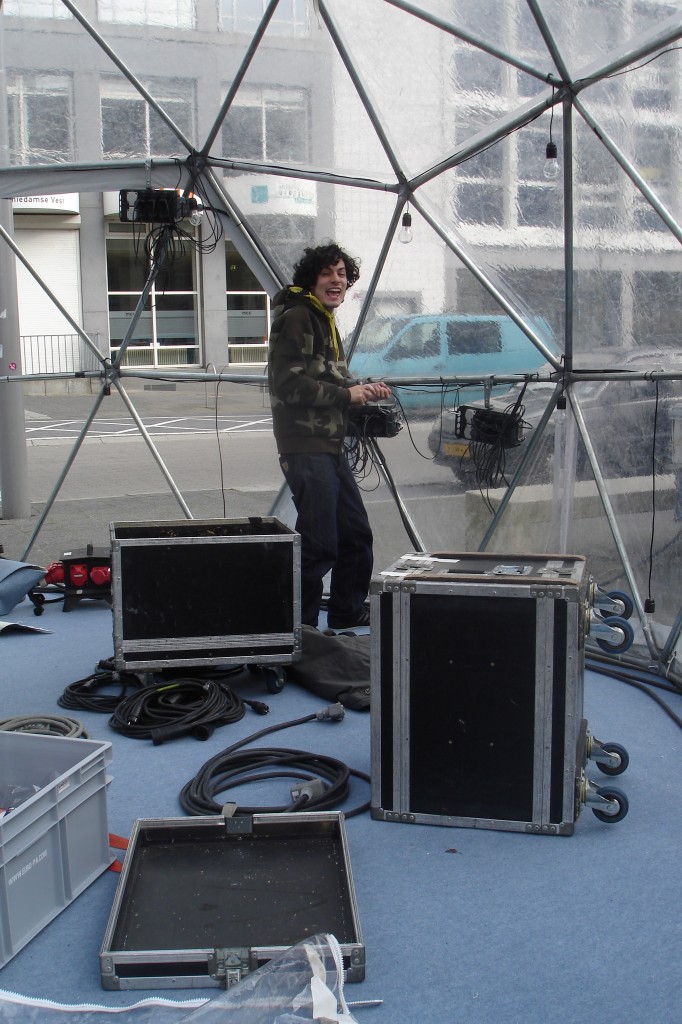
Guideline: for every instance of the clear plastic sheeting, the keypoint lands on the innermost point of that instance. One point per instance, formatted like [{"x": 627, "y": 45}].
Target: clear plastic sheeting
[
  {"x": 533, "y": 149},
  {"x": 304, "y": 983},
  {"x": 18, "y": 1009}
]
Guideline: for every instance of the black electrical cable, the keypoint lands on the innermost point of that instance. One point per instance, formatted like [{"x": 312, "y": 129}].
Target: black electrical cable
[
  {"x": 179, "y": 707},
  {"x": 86, "y": 694},
  {"x": 653, "y": 499},
  {"x": 327, "y": 778},
  {"x": 601, "y": 669}
]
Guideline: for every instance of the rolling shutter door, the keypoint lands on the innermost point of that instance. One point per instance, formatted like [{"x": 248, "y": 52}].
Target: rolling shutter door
[{"x": 54, "y": 255}]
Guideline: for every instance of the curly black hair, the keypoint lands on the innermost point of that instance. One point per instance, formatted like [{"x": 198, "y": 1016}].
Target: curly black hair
[{"x": 313, "y": 261}]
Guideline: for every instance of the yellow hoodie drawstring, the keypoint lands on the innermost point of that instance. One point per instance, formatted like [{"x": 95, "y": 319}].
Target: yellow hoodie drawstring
[{"x": 323, "y": 309}]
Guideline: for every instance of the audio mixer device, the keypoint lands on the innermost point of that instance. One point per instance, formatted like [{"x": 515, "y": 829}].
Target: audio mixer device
[
  {"x": 380, "y": 418},
  {"x": 485, "y": 424}
]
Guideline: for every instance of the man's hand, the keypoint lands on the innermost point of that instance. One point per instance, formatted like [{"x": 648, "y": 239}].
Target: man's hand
[{"x": 362, "y": 393}]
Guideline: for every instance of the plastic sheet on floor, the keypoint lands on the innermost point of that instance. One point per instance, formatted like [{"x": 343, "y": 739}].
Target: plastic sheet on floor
[{"x": 304, "y": 983}]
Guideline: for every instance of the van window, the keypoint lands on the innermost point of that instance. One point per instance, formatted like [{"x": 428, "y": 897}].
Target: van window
[
  {"x": 419, "y": 339},
  {"x": 473, "y": 336},
  {"x": 378, "y": 332}
]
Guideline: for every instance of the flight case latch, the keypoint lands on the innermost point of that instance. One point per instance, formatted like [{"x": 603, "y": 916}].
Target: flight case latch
[{"x": 229, "y": 965}]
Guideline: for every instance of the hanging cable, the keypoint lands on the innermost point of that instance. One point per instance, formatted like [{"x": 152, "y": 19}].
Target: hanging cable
[{"x": 650, "y": 604}]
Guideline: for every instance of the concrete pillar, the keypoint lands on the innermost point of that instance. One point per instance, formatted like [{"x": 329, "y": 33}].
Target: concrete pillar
[{"x": 13, "y": 456}]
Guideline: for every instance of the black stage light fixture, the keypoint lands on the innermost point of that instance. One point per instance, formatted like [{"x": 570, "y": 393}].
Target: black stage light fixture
[{"x": 155, "y": 205}]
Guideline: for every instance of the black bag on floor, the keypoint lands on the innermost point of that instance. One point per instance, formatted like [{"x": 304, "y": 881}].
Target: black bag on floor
[{"x": 335, "y": 666}]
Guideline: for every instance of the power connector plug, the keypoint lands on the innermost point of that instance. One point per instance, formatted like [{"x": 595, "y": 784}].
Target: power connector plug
[
  {"x": 311, "y": 790},
  {"x": 332, "y": 713}
]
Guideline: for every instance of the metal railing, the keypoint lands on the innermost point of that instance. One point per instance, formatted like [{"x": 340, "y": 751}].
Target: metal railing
[
  {"x": 68, "y": 353},
  {"x": 163, "y": 355},
  {"x": 248, "y": 353},
  {"x": 57, "y": 353}
]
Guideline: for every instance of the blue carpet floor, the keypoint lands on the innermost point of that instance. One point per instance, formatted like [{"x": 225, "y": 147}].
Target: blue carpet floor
[{"x": 463, "y": 926}]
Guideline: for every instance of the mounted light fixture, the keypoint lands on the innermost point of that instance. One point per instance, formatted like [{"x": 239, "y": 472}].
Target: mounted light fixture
[
  {"x": 405, "y": 233},
  {"x": 551, "y": 170}
]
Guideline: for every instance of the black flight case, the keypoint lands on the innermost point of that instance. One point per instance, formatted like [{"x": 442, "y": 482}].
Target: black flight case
[
  {"x": 206, "y": 592},
  {"x": 203, "y": 901},
  {"x": 477, "y": 672}
]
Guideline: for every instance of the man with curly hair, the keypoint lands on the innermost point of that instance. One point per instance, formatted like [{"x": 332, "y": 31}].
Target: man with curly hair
[{"x": 310, "y": 393}]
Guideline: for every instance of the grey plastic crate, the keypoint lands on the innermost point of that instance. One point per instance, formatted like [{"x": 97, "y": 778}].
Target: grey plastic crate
[{"x": 56, "y": 842}]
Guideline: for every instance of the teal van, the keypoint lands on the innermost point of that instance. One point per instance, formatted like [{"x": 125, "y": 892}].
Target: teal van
[{"x": 444, "y": 345}]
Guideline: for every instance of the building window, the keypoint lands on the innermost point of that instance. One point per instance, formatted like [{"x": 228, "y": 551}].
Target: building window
[
  {"x": 290, "y": 18},
  {"x": 248, "y": 311},
  {"x": 480, "y": 191},
  {"x": 35, "y": 9},
  {"x": 267, "y": 124},
  {"x": 539, "y": 203},
  {"x": 40, "y": 112},
  {"x": 130, "y": 127},
  {"x": 166, "y": 13},
  {"x": 166, "y": 333},
  {"x": 657, "y": 299},
  {"x": 654, "y": 158}
]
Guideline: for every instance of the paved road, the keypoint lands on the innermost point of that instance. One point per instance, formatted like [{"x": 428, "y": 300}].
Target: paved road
[
  {"x": 42, "y": 429},
  {"x": 233, "y": 471},
  {"x": 222, "y": 460}
]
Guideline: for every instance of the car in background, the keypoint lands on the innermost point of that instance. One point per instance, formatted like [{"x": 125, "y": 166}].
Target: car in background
[
  {"x": 444, "y": 345},
  {"x": 620, "y": 416}
]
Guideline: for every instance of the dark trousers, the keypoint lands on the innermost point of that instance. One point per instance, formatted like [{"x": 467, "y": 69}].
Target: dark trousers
[{"x": 335, "y": 534}]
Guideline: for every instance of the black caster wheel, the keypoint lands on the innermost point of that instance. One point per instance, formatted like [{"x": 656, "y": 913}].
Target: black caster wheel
[
  {"x": 611, "y": 793},
  {"x": 627, "y": 636},
  {"x": 274, "y": 679},
  {"x": 626, "y": 601},
  {"x": 621, "y": 752}
]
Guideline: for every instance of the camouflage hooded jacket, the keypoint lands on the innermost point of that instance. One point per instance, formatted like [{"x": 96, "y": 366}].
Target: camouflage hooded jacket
[{"x": 307, "y": 376}]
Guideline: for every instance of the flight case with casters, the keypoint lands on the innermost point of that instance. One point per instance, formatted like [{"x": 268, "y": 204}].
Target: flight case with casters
[
  {"x": 201, "y": 902},
  {"x": 477, "y": 671},
  {"x": 215, "y": 592}
]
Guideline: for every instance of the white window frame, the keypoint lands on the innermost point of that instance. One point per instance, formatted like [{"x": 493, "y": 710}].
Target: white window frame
[
  {"x": 158, "y": 354},
  {"x": 180, "y": 14},
  {"x": 268, "y": 100},
  {"x": 292, "y": 17},
  {"x": 21, "y": 85},
  {"x": 35, "y": 9},
  {"x": 166, "y": 91}
]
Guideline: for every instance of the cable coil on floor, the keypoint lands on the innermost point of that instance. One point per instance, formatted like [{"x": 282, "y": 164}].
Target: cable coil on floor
[
  {"x": 325, "y": 780},
  {"x": 90, "y": 693},
  {"x": 178, "y": 707}
]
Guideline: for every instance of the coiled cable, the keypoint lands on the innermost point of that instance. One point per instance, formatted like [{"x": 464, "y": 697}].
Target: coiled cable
[
  {"x": 179, "y": 707},
  {"x": 86, "y": 694},
  {"x": 326, "y": 780},
  {"x": 45, "y": 725}
]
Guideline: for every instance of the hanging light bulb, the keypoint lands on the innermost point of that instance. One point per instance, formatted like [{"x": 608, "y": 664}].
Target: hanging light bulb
[
  {"x": 405, "y": 233},
  {"x": 196, "y": 217},
  {"x": 551, "y": 170}
]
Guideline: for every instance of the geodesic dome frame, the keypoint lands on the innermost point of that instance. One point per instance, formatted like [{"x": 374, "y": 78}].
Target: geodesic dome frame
[{"x": 435, "y": 113}]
